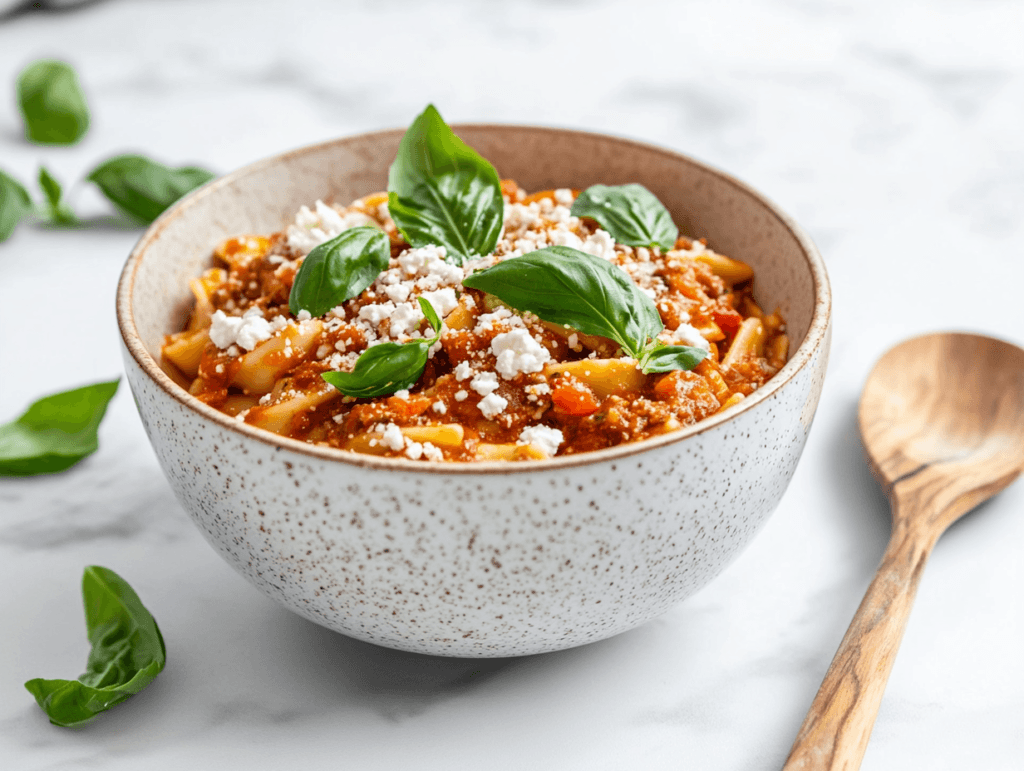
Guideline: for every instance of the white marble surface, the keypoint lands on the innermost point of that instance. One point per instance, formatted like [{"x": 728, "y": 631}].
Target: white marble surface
[{"x": 894, "y": 131}]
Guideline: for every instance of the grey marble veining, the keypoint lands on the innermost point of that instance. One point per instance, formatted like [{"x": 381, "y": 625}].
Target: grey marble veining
[{"x": 891, "y": 130}]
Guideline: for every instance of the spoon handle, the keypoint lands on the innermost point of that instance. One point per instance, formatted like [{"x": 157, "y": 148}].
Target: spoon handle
[{"x": 838, "y": 725}]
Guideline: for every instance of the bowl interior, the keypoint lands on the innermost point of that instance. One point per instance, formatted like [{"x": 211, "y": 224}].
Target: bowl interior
[{"x": 264, "y": 197}]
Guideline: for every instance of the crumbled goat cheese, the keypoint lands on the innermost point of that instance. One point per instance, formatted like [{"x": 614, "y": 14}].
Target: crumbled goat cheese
[
  {"x": 443, "y": 300},
  {"x": 463, "y": 370},
  {"x": 398, "y": 293},
  {"x": 545, "y": 439},
  {"x": 491, "y": 405},
  {"x": 461, "y": 396},
  {"x": 486, "y": 321},
  {"x": 432, "y": 452},
  {"x": 484, "y": 383},
  {"x": 600, "y": 244},
  {"x": 313, "y": 228},
  {"x": 402, "y": 394},
  {"x": 393, "y": 437},
  {"x": 563, "y": 196},
  {"x": 375, "y": 313},
  {"x": 439, "y": 407},
  {"x": 685, "y": 334},
  {"x": 427, "y": 261},
  {"x": 303, "y": 315},
  {"x": 247, "y": 331},
  {"x": 518, "y": 352}
]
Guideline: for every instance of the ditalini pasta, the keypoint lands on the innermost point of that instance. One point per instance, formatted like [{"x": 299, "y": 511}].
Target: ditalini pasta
[{"x": 499, "y": 381}]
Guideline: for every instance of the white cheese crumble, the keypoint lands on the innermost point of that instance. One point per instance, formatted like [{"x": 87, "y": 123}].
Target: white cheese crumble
[
  {"x": 484, "y": 383},
  {"x": 439, "y": 407},
  {"x": 247, "y": 331},
  {"x": 463, "y": 370},
  {"x": 461, "y": 396},
  {"x": 545, "y": 439},
  {"x": 492, "y": 405},
  {"x": 518, "y": 352},
  {"x": 685, "y": 334},
  {"x": 314, "y": 227},
  {"x": 393, "y": 437}
]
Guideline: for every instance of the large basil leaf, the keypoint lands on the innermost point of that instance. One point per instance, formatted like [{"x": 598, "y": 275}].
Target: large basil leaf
[
  {"x": 339, "y": 269},
  {"x": 55, "y": 432},
  {"x": 57, "y": 211},
  {"x": 665, "y": 358},
  {"x": 144, "y": 188},
  {"x": 441, "y": 191},
  {"x": 15, "y": 205},
  {"x": 388, "y": 367},
  {"x": 630, "y": 213},
  {"x": 563, "y": 285},
  {"x": 127, "y": 653},
  {"x": 52, "y": 104}
]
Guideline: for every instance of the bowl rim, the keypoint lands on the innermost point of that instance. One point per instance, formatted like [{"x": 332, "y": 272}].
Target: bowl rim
[{"x": 800, "y": 358}]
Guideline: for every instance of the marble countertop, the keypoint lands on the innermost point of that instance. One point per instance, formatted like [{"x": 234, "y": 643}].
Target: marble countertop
[{"x": 893, "y": 131}]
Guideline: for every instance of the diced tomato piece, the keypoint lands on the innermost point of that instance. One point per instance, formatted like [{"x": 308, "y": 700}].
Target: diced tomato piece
[
  {"x": 728, "y": 320},
  {"x": 574, "y": 398},
  {"x": 403, "y": 409}
]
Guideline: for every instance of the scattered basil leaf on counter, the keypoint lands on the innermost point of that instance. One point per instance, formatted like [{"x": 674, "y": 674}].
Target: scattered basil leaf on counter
[
  {"x": 55, "y": 432},
  {"x": 339, "y": 270},
  {"x": 57, "y": 211},
  {"x": 15, "y": 205},
  {"x": 388, "y": 367},
  {"x": 52, "y": 103},
  {"x": 127, "y": 652},
  {"x": 665, "y": 358},
  {"x": 441, "y": 191},
  {"x": 563, "y": 285},
  {"x": 143, "y": 188},
  {"x": 630, "y": 213}
]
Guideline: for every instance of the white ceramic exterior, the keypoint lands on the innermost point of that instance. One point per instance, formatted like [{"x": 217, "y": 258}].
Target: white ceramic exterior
[{"x": 482, "y": 559}]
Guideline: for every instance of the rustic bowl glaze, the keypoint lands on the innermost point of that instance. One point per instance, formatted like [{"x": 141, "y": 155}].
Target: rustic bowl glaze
[{"x": 483, "y": 559}]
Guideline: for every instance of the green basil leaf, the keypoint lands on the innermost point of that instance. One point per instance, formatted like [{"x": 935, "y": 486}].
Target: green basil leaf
[
  {"x": 127, "y": 653},
  {"x": 630, "y": 213},
  {"x": 665, "y": 358},
  {"x": 339, "y": 269},
  {"x": 15, "y": 205},
  {"x": 388, "y": 367},
  {"x": 382, "y": 369},
  {"x": 56, "y": 210},
  {"x": 441, "y": 191},
  {"x": 143, "y": 188},
  {"x": 52, "y": 104},
  {"x": 55, "y": 432},
  {"x": 563, "y": 285}
]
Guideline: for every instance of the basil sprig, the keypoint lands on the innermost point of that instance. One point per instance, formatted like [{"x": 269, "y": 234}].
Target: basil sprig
[
  {"x": 630, "y": 213},
  {"x": 339, "y": 269},
  {"x": 52, "y": 104},
  {"x": 55, "y": 432},
  {"x": 15, "y": 205},
  {"x": 563, "y": 285},
  {"x": 57, "y": 212},
  {"x": 143, "y": 188},
  {"x": 127, "y": 653},
  {"x": 388, "y": 367},
  {"x": 441, "y": 191}
]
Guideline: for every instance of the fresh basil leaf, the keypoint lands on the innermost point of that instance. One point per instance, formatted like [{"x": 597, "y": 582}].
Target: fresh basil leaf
[
  {"x": 441, "y": 191},
  {"x": 630, "y": 213},
  {"x": 388, "y": 367},
  {"x": 143, "y": 188},
  {"x": 432, "y": 318},
  {"x": 339, "y": 269},
  {"x": 127, "y": 653},
  {"x": 52, "y": 104},
  {"x": 55, "y": 432},
  {"x": 563, "y": 285},
  {"x": 57, "y": 211},
  {"x": 15, "y": 205},
  {"x": 665, "y": 358}
]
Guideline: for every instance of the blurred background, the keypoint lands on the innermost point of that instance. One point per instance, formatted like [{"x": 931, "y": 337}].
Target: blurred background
[{"x": 892, "y": 130}]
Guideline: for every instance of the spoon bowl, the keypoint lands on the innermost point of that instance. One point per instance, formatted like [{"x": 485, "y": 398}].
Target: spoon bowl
[{"x": 942, "y": 421}]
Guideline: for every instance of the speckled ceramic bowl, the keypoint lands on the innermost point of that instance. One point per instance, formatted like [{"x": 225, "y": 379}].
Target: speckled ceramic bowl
[{"x": 482, "y": 559}]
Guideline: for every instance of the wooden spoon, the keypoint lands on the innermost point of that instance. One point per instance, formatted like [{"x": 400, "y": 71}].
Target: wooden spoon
[{"x": 942, "y": 420}]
